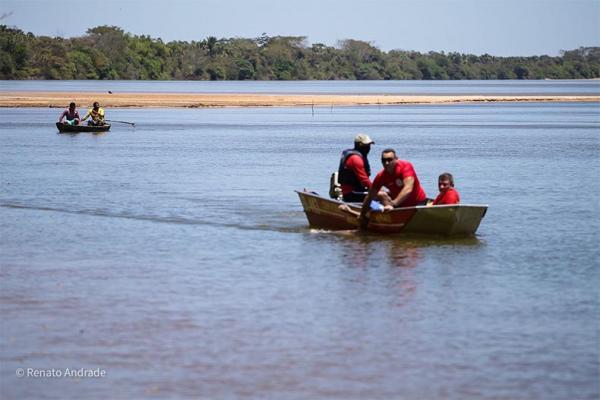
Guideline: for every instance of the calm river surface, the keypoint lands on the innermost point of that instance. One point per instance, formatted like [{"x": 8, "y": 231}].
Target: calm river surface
[
  {"x": 579, "y": 87},
  {"x": 176, "y": 257}
]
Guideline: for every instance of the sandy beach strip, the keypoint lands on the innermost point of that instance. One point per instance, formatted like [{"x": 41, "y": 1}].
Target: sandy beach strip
[{"x": 197, "y": 100}]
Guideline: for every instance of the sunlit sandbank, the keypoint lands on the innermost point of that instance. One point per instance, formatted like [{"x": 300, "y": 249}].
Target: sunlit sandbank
[{"x": 192, "y": 100}]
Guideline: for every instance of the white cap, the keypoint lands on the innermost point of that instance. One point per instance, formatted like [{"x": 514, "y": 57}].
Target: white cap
[{"x": 363, "y": 139}]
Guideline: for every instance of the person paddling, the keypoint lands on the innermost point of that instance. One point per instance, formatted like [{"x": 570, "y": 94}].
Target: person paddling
[
  {"x": 97, "y": 115},
  {"x": 70, "y": 115}
]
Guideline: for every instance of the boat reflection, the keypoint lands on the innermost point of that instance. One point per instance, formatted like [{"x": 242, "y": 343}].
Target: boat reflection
[
  {"x": 387, "y": 268},
  {"x": 359, "y": 249}
]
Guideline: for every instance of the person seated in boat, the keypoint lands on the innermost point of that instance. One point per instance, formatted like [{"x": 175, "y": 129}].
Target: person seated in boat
[
  {"x": 448, "y": 195},
  {"x": 97, "y": 115},
  {"x": 400, "y": 180},
  {"x": 354, "y": 170},
  {"x": 70, "y": 115}
]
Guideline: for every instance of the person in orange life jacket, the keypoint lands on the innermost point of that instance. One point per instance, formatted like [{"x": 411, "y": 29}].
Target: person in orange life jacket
[
  {"x": 354, "y": 170},
  {"x": 97, "y": 115},
  {"x": 400, "y": 178},
  {"x": 71, "y": 115},
  {"x": 448, "y": 195}
]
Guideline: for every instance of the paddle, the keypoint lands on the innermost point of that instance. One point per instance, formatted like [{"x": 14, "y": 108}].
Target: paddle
[
  {"x": 363, "y": 222},
  {"x": 122, "y": 122},
  {"x": 365, "y": 216}
]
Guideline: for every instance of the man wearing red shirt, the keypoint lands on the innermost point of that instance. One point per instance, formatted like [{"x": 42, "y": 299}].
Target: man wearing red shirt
[
  {"x": 354, "y": 170},
  {"x": 400, "y": 178},
  {"x": 448, "y": 195}
]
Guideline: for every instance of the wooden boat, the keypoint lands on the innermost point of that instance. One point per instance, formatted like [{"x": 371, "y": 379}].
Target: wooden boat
[
  {"x": 448, "y": 220},
  {"x": 66, "y": 128}
]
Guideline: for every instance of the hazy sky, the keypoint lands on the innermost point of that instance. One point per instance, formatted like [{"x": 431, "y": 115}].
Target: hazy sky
[{"x": 498, "y": 27}]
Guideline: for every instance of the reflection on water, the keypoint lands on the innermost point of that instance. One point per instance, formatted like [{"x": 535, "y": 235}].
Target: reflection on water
[
  {"x": 75, "y": 134},
  {"x": 357, "y": 248}
]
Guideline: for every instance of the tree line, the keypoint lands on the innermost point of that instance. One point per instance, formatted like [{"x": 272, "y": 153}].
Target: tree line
[{"x": 107, "y": 52}]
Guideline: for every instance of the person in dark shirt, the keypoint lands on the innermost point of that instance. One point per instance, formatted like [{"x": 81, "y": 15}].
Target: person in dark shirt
[{"x": 354, "y": 170}]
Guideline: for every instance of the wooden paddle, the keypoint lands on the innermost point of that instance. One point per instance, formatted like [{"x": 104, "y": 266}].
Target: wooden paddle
[{"x": 122, "y": 122}]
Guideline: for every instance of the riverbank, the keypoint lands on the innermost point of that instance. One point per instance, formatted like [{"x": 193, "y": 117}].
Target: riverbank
[{"x": 197, "y": 100}]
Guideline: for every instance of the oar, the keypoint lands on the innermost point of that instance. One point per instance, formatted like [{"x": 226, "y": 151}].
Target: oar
[
  {"x": 122, "y": 122},
  {"x": 363, "y": 222}
]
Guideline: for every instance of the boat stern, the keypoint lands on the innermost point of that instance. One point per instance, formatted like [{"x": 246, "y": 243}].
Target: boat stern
[{"x": 324, "y": 213}]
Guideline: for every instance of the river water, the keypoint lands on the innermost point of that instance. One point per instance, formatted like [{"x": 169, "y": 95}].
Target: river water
[
  {"x": 175, "y": 257},
  {"x": 581, "y": 87}
]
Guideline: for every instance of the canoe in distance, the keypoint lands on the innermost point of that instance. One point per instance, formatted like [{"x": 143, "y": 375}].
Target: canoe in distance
[
  {"x": 66, "y": 128},
  {"x": 446, "y": 220}
]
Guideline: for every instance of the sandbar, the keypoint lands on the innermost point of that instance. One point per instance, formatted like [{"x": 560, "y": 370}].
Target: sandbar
[{"x": 199, "y": 100}]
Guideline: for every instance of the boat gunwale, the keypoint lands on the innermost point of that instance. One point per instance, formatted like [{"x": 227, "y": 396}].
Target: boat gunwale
[
  {"x": 358, "y": 205},
  {"x": 66, "y": 128}
]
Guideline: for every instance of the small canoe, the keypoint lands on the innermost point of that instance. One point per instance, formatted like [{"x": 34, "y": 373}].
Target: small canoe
[
  {"x": 447, "y": 220},
  {"x": 66, "y": 128}
]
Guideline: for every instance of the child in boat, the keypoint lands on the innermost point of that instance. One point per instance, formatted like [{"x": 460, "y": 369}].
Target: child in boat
[
  {"x": 71, "y": 115},
  {"x": 448, "y": 195}
]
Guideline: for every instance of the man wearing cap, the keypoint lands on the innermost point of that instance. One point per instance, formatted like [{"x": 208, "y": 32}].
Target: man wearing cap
[
  {"x": 97, "y": 115},
  {"x": 354, "y": 170}
]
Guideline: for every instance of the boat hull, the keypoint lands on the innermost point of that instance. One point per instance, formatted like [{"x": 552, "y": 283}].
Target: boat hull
[
  {"x": 66, "y": 128},
  {"x": 447, "y": 220}
]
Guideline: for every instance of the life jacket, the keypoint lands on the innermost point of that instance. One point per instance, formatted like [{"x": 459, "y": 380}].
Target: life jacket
[{"x": 346, "y": 176}]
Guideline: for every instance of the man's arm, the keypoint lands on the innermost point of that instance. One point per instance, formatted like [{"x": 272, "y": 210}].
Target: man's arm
[
  {"x": 409, "y": 184},
  {"x": 454, "y": 197},
  {"x": 62, "y": 116},
  {"x": 86, "y": 115}
]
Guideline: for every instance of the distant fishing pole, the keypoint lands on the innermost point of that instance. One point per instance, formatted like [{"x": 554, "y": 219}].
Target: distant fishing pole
[{"x": 122, "y": 122}]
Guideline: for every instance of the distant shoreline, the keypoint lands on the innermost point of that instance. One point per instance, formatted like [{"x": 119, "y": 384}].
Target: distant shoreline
[{"x": 26, "y": 99}]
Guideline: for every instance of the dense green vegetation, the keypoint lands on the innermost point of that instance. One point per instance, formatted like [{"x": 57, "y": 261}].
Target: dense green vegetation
[{"x": 107, "y": 52}]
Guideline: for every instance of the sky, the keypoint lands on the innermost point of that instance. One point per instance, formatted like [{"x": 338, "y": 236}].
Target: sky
[{"x": 497, "y": 27}]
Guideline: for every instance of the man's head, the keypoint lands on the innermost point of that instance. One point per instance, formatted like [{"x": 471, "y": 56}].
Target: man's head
[
  {"x": 96, "y": 105},
  {"x": 363, "y": 143},
  {"x": 72, "y": 106},
  {"x": 388, "y": 159},
  {"x": 445, "y": 182}
]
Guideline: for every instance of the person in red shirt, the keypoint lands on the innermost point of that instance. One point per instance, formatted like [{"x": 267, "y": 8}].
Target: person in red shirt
[
  {"x": 354, "y": 170},
  {"x": 448, "y": 195},
  {"x": 400, "y": 178}
]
